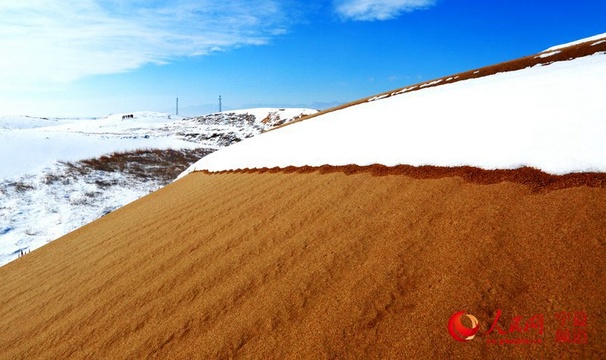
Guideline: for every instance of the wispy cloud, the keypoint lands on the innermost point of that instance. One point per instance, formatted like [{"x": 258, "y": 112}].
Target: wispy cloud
[
  {"x": 66, "y": 40},
  {"x": 372, "y": 10}
]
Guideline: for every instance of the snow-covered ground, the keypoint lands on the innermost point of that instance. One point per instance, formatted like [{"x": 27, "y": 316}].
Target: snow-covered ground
[
  {"x": 595, "y": 39},
  {"x": 38, "y": 208},
  {"x": 548, "y": 117},
  {"x": 47, "y": 191},
  {"x": 30, "y": 144}
]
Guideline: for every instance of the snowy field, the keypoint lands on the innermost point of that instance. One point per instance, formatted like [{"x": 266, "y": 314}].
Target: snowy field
[
  {"x": 548, "y": 117},
  {"x": 47, "y": 191}
]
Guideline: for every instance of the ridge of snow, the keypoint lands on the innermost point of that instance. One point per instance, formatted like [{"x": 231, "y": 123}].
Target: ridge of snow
[
  {"x": 576, "y": 42},
  {"x": 548, "y": 117},
  {"x": 548, "y": 54}
]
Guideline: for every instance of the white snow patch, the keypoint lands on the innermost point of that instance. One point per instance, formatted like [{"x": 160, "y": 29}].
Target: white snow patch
[
  {"x": 577, "y": 42},
  {"x": 375, "y": 98},
  {"x": 406, "y": 90},
  {"x": 431, "y": 83},
  {"x": 28, "y": 122},
  {"x": 548, "y": 54}
]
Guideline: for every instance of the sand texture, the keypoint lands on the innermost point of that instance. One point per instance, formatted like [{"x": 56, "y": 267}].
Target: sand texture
[{"x": 315, "y": 264}]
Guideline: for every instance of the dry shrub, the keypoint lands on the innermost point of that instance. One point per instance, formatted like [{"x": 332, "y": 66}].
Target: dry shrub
[{"x": 146, "y": 164}]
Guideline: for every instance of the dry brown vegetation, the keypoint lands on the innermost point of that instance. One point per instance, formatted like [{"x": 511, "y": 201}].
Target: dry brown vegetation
[
  {"x": 19, "y": 186},
  {"x": 160, "y": 165}
]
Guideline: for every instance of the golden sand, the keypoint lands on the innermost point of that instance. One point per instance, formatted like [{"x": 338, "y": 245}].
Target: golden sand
[{"x": 314, "y": 265}]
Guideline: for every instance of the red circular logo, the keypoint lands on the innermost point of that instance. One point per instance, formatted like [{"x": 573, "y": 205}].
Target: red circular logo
[{"x": 460, "y": 332}]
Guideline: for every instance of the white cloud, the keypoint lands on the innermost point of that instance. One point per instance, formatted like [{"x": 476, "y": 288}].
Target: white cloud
[
  {"x": 371, "y": 10},
  {"x": 60, "y": 41}
]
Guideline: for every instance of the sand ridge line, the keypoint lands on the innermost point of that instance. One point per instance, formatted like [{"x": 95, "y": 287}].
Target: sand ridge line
[{"x": 536, "y": 179}]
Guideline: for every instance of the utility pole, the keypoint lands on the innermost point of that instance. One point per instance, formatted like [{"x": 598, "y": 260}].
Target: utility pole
[
  {"x": 220, "y": 105},
  {"x": 177, "y": 106}
]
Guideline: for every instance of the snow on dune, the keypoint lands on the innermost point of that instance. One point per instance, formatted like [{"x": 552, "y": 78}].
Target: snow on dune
[
  {"x": 577, "y": 42},
  {"x": 547, "y": 117}
]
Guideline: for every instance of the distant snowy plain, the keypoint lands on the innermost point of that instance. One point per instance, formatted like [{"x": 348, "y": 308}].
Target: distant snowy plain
[{"x": 44, "y": 191}]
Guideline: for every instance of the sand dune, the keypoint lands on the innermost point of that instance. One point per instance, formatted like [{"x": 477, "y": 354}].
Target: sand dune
[{"x": 315, "y": 264}]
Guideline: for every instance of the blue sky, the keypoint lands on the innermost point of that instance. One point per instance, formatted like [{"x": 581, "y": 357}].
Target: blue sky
[{"x": 96, "y": 57}]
